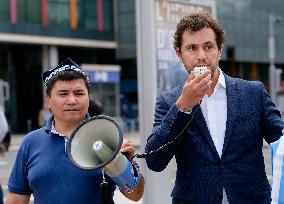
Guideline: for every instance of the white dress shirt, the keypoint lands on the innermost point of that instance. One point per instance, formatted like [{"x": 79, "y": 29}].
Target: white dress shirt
[{"x": 214, "y": 109}]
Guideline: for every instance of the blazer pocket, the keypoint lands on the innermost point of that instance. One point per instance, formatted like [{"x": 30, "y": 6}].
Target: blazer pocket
[{"x": 260, "y": 190}]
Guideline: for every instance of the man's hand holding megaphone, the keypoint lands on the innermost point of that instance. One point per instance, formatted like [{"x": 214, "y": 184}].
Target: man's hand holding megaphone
[{"x": 128, "y": 150}]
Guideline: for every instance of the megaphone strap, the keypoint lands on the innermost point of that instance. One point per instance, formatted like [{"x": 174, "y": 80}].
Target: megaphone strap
[
  {"x": 106, "y": 194},
  {"x": 135, "y": 166}
]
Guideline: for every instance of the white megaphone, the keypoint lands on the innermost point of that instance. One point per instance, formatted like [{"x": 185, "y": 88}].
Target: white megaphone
[{"x": 96, "y": 144}]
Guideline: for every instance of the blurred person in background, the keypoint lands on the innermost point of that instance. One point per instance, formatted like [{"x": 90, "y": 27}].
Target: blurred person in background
[
  {"x": 4, "y": 140},
  {"x": 219, "y": 123},
  {"x": 42, "y": 165},
  {"x": 43, "y": 115},
  {"x": 95, "y": 107}
]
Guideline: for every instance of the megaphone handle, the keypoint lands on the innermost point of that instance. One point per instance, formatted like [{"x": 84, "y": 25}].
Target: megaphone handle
[{"x": 133, "y": 163}]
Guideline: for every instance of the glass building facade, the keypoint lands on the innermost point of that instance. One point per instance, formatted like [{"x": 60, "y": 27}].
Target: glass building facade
[
  {"x": 246, "y": 47},
  {"x": 62, "y": 18},
  {"x": 36, "y": 35},
  {"x": 246, "y": 24}
]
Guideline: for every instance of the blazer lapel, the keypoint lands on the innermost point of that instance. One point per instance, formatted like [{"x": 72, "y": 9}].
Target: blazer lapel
[
  {"x": 201, "y": 123},
  {"x": 232, "y": 107}
]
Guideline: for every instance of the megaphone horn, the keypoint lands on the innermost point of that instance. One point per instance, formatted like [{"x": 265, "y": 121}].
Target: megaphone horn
[{"x": 95, "y": 144}]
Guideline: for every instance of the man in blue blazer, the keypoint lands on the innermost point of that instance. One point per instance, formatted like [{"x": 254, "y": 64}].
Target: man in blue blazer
[{"x": 219, "y": 121}]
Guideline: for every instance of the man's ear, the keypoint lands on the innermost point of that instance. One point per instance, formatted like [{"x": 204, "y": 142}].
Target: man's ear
[
  {"x": 221, "y": 50},
  {"x": 47, "y": 101},
  {"x": 178, "y": 54}
]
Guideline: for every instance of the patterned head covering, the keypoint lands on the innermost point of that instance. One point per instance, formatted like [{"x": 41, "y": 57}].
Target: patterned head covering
[{"x": 67, "y": 64}]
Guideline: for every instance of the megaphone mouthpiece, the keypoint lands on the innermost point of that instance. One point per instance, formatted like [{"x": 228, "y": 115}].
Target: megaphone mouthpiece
[
  {"x": 102, "y": 151},
  {"x": 97, "y": 145}
]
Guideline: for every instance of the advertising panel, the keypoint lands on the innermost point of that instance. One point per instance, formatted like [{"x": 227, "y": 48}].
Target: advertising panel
[{"x": 170, "y": 72}]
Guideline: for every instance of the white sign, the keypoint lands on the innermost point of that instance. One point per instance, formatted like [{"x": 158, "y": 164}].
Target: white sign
[{"x": 168, "y": 13}]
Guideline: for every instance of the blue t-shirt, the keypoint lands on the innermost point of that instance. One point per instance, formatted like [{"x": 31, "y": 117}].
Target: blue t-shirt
[{"x": 43, "y": 168}]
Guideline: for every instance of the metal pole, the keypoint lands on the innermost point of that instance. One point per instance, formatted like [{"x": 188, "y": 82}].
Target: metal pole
[{"x": 271, "y": 55}]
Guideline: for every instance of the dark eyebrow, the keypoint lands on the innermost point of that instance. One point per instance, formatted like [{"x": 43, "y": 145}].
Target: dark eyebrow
[
  {"x": 62, "y": 90},
  {"x": 80, "y": 90},
  {"x": 208, "y": 42},
  {"x": 191, "y": 45}
]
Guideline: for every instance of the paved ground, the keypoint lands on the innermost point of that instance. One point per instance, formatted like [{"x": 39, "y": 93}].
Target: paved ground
[{"x": 7, "y": 160}]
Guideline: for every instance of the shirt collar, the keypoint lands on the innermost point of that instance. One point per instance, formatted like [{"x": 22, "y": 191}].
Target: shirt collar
[
  {"x": 49, "y": 127},
  {"x": 54, "y": 131},
  {"x": 220, "y": 83},
  {"x": 221, "y": 79}
]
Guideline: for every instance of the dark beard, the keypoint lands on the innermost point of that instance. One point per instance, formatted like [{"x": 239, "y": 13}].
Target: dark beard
[
  {"x": 213, "y": 71},
  {"x": 187, "y": 69}
]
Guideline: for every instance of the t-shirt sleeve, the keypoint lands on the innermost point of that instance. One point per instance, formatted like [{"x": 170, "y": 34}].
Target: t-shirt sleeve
[{"x": 18, "y": 182}]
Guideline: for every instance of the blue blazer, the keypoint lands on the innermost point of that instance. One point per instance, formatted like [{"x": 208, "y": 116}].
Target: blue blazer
[{"x": 201, "y": 174}]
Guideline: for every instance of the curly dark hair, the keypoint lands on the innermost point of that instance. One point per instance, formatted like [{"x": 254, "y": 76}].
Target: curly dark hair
[
  {"x": 67, "y": 75},
  {"x": 195, "y": 22}
]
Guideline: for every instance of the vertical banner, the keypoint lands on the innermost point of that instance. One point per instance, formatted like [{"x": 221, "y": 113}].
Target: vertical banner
[
  {"x": 44, "y": 15},
  {"x": 73, "y": 14},
  {"x": 168, "y": 12},
  {"x": 13, "y": 11},
  {"x": 100, "y": 15}
]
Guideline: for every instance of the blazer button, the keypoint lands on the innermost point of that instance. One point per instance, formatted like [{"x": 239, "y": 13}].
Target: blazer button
[{"x": 221, "y": 166}]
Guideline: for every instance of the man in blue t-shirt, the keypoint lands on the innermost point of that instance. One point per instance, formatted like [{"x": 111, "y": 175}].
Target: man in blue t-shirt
[{"x": 42, "y": 166}]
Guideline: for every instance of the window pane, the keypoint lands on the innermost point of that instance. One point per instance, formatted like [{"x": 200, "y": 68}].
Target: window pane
[
  {"x": 58, "y": 12},
  {"x": 4, "y": 10},
  {"x": 108, "y": 18},
  {"x": 87, "y": 15},
  {"x": 28, "y": 11},
  {"x": 33, "y": 11},
  {"x": 21, "y": 6}
]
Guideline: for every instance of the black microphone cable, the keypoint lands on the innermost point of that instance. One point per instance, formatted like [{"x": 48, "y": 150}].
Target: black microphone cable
[{"x": 146, "y": 154}]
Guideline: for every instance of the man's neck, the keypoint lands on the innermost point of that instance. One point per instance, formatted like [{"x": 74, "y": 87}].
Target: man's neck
[{"x": 64, "y": 128}]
